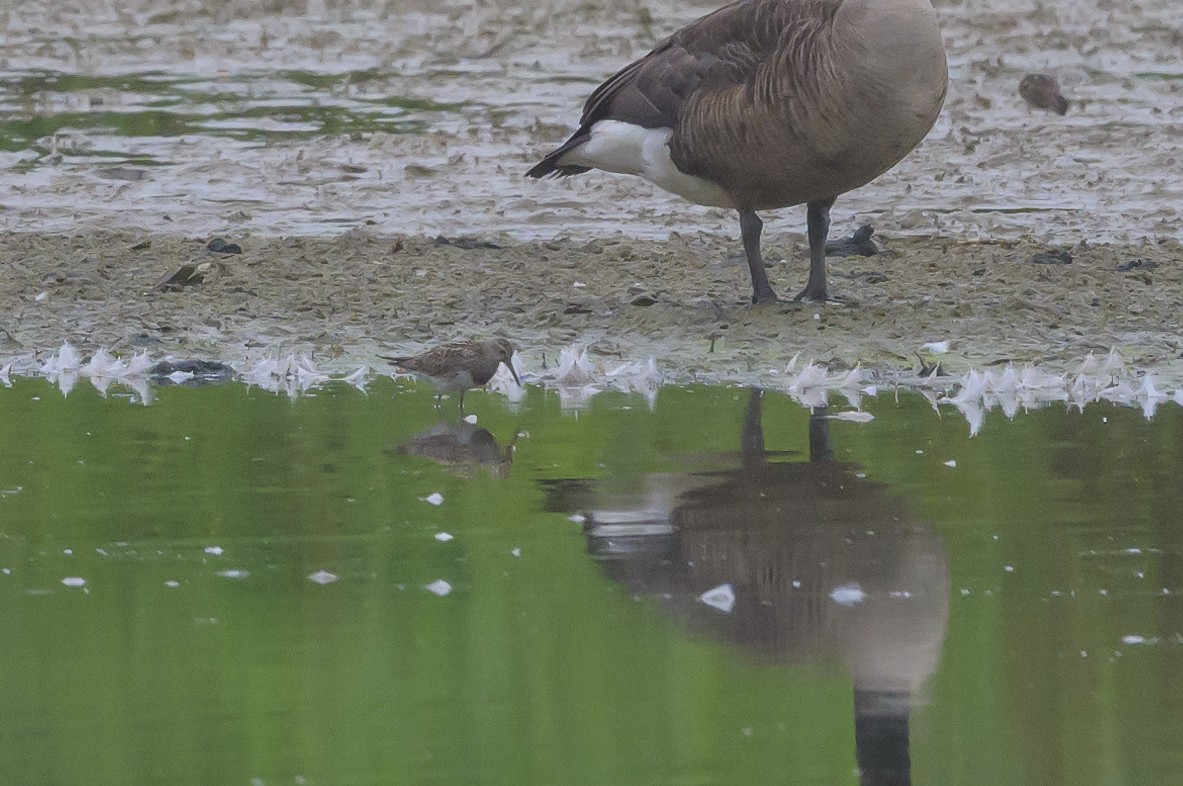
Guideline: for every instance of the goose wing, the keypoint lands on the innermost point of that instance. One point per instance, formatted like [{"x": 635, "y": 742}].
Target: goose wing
[{"x": 722, "y": 49}]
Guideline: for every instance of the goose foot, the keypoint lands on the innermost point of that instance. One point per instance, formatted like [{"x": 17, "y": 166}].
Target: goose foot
[{"x": 819, "y": 295}]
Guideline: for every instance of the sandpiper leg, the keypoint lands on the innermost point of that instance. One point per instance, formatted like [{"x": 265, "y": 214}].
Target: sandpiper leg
[
  {"x": 750, "y": 227},
  {"x": 818, "y": 217}
]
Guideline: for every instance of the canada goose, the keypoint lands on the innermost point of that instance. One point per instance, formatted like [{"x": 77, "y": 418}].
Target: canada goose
[
  {"x": 460, "y": 365},
  {"x": 766, "y": 104}
]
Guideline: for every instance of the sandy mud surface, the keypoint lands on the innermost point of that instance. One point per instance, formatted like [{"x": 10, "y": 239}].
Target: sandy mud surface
[{"x": 346, "y": 299}]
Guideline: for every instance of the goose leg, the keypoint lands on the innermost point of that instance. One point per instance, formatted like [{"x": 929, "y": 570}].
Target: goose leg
[
  {"x": 750, "y": 227},
  {"x": 818, "y": 216}
]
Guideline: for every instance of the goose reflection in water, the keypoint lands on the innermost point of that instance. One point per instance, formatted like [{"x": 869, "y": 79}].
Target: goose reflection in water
[
  {"x": 821, "y": 565},
  {"x": 463, "y": 448}
]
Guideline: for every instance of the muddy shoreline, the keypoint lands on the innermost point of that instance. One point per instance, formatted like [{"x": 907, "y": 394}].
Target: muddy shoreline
[{"x": 344, "y": 300}]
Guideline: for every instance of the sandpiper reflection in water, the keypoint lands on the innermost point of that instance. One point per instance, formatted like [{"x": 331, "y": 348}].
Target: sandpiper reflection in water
[
  {"x": 463, "y": 448},
  {"x": 817, "y": 563}
]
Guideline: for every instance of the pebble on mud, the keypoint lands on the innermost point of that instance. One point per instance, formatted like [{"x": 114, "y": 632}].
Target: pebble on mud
[
  {"x": 859, "y": 244},
  {"x": 220, "y": 246},
  {"x": 201, "y": 372},
  {"x": 1052, "y": 258},
  {"x": 1137, "y": 264}
]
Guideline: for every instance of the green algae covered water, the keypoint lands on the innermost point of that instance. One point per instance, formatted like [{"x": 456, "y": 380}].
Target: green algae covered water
[{"x": 232, "y": 587}]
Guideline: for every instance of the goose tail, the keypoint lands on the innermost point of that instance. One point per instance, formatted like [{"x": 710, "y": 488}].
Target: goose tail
[{"x": 550, "y": 166}]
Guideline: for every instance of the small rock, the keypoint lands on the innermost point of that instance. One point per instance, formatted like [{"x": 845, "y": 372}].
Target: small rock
[
  {"x": 465, "y": 243},
  {"x": 859, "y": 244},
  {"x": 220, "y": 246},
  {"x": 190, "y": 372},
  {"x": 1052, "y": 258},
  {"x": 1137, "y": 264}
]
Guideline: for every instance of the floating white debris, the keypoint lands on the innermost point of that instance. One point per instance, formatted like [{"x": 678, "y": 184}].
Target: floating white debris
[
  {"x": 951, "y": 463},
  {"x": 470, "y": 419},
  {"x": 854, "y": 417},
  {"x": 233, "y": 573},
  {"x": 322, "y": 577},
  {"x": 1134, "y": 638},
  {"x": 434, "y": 499},
  {"x": 721, "y": 597},
  {"x": 359, "y": 378},
  {"x": 66, "y": 359},
  {"x": 574, "y": 368},
  {"x": 438, "y": 587},
  {"x": 172, "y": 583},
  {"x": 578, "y": 518},
  {"x": 848, "y": 595},
  {"x": 936, "y": 347},
  {"x": 290, "y": 375},
  {"x": 74, "y": 581},
  {"x": 516, "y": 551},
  {"x": 214, "y": 550},
  {"x": 444, "y": 537},
  {"x": 177, "y": 377},
  {"x": 1009, "y": 568},
  {"x": 504, "y": 383}
]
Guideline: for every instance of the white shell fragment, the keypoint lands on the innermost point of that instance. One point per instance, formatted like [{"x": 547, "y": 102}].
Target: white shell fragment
[{"x": 721, "y": 597}]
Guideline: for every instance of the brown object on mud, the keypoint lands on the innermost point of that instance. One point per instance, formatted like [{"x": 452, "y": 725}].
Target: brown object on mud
[
  {"x": 1042, "y": 91},
  {"x": 767, "y": 104}
]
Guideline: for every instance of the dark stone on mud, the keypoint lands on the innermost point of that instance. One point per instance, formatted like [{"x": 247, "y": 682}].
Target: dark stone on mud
[
  {"x": 466, "y": 243},
  {"x": 220, "y": 246},
  {"x": 1137, "y": 264},
  {"x": 643, "y": 300},
  {"x": 204, "y": 372},
  {"x": 1052, "y": 258},
  {"x": 577, "y": 308},
  {"x": 859, "y": 244}
]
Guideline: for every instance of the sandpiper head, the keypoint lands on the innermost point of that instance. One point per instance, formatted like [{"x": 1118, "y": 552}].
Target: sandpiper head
[{"x": 505, "y": 355}]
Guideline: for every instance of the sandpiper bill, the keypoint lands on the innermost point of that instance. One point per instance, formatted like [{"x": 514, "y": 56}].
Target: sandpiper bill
[{"x": 459, "y": 366}]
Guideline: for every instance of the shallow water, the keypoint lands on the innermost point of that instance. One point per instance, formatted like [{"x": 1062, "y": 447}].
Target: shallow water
[
  {"x": 281, "y": 118},
  {"x": 228, "y": 586}
]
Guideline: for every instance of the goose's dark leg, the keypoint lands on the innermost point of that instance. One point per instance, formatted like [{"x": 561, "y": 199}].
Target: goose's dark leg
[
  {"x": 750, "y": 227},
  {"x": 818, "y": 216}
]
